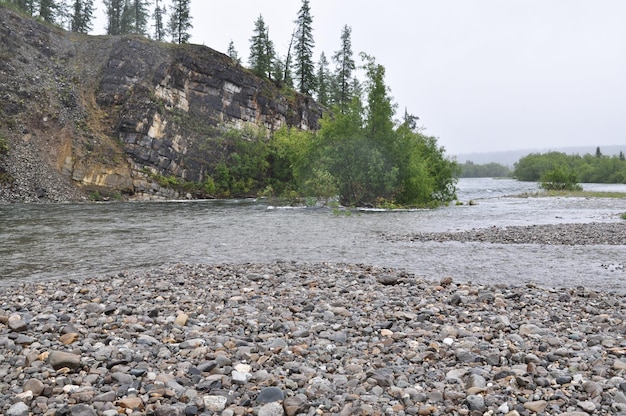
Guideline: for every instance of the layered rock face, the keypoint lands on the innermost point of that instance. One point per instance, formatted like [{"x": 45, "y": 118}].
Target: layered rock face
[{"x": 104, "y": 113}]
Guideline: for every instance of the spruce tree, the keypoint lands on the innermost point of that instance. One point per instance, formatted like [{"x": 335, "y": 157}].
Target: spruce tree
[
  {"x": 232, "y": 52},
  {"x": 127, "y": 23},
  {"x": 323, "y": 81},
  {"x": 304, "y": 67},
  {"x": 180, "y": 21},
  {"x": 261, "y": 50},
  {"x": 380, "y": 110},
  {"x": 27, "y": 6},
  {"x": 81, "y": 16},
  {"x": 139, "y": 10},
  {"x": 114, "y": 10},
  {"x": 344, "y": 67},
  {"x": 48, "y": 10},
  {"x": 160, "y": 31}
]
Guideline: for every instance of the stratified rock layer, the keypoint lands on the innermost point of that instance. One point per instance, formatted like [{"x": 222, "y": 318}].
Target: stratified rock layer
[{"x": 106, "y": 112}]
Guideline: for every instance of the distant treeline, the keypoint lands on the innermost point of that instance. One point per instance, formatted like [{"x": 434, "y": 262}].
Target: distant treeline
[
  {"x": 470, "y": 169},
  {"x": 589, "y": 168}
]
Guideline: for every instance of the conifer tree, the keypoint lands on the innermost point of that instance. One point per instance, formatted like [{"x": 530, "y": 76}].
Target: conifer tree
[
  {"x": 380, "y": 110},
  {"x": 180, "y": 21},
  {"x": 160, "y": 31},
  {"x": 323, "y": 81},
  {"x": 304, "y": 67},
  {"x": 81, "y": 16},
  {"x": 344, "y": 67},
  {"x": 48, "y": 10},
  {"x": 139, "y": 9},
  {"x": 232, "y": 52},
  {"x": 114, "y": 10},
  {"x": 261, "y": 50},
  {"x": 27, "y": 6},
  {"x": 127, "y": 23}
]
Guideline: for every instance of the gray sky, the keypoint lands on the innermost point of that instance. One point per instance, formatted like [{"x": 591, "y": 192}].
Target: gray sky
[{"x": 482, "y": 75}]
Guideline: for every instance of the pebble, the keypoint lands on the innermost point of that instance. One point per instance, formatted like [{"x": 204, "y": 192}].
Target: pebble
[{"x": 306, "y": 339}]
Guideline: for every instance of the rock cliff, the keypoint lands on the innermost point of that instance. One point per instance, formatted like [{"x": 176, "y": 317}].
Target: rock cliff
[{"x": 106, "y": 114}]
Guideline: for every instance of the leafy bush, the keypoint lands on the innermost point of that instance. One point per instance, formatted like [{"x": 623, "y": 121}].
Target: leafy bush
[{"x": 560, "y": 178}]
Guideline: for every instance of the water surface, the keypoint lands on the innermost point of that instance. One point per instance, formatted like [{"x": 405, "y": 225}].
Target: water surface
[{"x": 41, "y": 241}]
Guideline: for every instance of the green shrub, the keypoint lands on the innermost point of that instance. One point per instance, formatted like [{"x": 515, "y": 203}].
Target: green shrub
[
  {"x": 95, "y": 196},
  {"x": 560, "y": 178}
]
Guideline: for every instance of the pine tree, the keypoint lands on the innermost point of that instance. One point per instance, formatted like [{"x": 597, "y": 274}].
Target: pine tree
[
  {"x": 82, "y": 15},
  {"x": 323, "y": 81},
  {"x": 232, "y": 52},
  {"x": 180, "y": 21},
  {"x": 304, "y": 67},
  {"x": 160, "y": 31},
  {"x": 261, "y": 50},
  {"x": 344, "y": 66}
]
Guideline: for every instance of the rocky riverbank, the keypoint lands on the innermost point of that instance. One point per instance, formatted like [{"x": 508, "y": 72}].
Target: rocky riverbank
[
  {"x": 306, "y": 339},
  {"x": 611, "y": 233}
]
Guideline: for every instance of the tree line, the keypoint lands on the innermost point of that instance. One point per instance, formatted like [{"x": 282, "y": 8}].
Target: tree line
[
  {"x": 296, "y": 67},
  {"x": 470, "y": 169},
  {"x": 154, "y": 19},
  {"x": 589, "y": 168}
]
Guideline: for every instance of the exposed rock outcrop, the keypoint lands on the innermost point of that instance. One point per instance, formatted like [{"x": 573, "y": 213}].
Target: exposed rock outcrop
[{"x": 99, "y": 113}]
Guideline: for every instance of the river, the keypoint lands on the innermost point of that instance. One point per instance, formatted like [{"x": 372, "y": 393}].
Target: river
[{"x": 77, "y": 240}]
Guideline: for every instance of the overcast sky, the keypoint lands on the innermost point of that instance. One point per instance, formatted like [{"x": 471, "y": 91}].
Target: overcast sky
[{"x": 482, "y": 75}]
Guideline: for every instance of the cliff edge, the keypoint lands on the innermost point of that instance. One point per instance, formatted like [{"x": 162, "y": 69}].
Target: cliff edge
[{"x": 82, "y": 114}]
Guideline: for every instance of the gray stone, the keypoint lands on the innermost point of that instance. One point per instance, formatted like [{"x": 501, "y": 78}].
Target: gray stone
[
  {"x": 17, "y": 324},
  {"x": 587, "y": 405},
  {"x": 271, "y": 409},
  {"x": 296, "y": 404},
  {"x": 18, "y": 409},
  {"x": 35, "y": 386},
  {"x": 122, "y": 378},
  {"x": 537, "y": 406},
  {"x": 270, "y": 394},
  {"x": 60, "y": 359},
  {"x": 476, "y": 402},
  {"x": 82, "y": 410}
]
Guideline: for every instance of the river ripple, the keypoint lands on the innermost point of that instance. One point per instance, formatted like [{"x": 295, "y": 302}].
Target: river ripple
[{"x": 41, "y": 241}]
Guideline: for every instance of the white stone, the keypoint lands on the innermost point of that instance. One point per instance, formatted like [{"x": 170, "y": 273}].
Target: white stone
[{"x": 215, "y": 403}]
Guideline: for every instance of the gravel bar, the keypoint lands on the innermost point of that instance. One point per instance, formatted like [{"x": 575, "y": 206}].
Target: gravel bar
[
  {"x": 306, "y": 339},
  {"x": 563, "y": 234}
]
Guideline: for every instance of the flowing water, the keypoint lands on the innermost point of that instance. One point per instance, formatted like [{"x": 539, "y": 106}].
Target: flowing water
[{"x": 66, "y": 240}]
